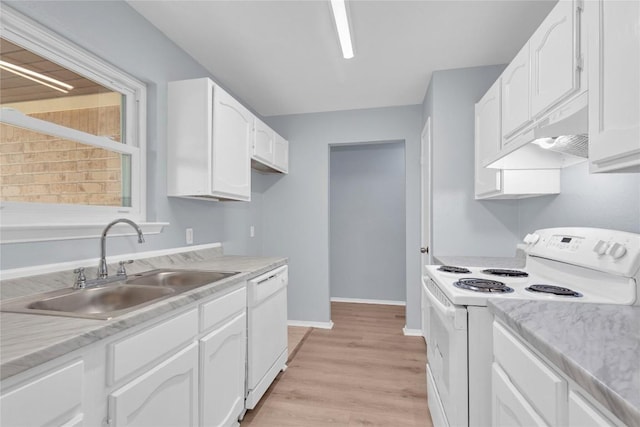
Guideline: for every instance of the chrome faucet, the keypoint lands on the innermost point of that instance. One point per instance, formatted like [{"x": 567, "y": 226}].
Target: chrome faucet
[{"x": 102, "y": 267}]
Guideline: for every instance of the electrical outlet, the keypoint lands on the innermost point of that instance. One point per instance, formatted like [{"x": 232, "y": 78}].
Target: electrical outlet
[
  {"x": 189, "y": 236},
  {"x": 252, "y": 231}
]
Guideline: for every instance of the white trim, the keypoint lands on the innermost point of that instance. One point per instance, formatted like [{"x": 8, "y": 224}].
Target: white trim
[
  {"x": 16, "y": 273},
  {"x": 53, "y": 232},
  {"x": 368, "y": 301},
  {"x": 412, "y": 332},
  {"x": 31, "y": 35},
  {"x": 308, "y": 324}
]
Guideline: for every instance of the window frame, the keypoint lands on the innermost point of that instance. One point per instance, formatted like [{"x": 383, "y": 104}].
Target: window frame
[{"x": 29, "y": 34}]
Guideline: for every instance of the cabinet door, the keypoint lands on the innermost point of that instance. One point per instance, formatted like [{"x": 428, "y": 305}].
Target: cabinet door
[
  {"x": 281, "y": 154},
  {"x": 553, "y": 49},
  {"x": 232, "y": 137},
  {"x": 55, "y": 398},
  {"x": 510, "y": 408},
  {"x": 614, "y": 85},
  {"x": 166, "y": 395},
  {"x": 263, "y": 140},
  {"x": 515, "y": 94},
  {"x": 583, "y": 414},
  {"x": 222, "y": 364},
  {"x": 487, "y": 141}
]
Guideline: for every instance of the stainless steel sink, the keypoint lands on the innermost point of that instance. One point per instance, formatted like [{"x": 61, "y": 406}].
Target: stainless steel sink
[
  {"x": 106, "y": 302},
  {"x": 180, "y": 280},
  {"x": 99, "y": 300}
]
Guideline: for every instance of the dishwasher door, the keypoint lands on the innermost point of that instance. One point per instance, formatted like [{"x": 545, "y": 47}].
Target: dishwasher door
[{"x": 266, "y": 332}]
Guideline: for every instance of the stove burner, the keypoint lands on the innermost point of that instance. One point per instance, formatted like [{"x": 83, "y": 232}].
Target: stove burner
[
  {"x": 505, "y": 273},
  {"x": 482, "y": 285},
  {"x": 555, "y": 290},
  {"x": 452, "y": 269}
]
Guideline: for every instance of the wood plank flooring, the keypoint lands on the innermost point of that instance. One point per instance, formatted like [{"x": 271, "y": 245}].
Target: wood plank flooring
[{"x": 363, "y": 372}]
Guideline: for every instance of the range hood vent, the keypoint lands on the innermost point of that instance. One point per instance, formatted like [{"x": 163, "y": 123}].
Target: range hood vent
[{"x": 558, "y": 140}]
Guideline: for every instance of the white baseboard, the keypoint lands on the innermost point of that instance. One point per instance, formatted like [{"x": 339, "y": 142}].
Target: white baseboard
[
  {"x": 308, "y": 324},
  {"x": 368, "y": 301},
  {"x": 412, "y": 332}
]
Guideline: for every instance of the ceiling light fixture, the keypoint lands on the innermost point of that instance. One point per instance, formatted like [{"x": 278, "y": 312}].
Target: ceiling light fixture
[
  {"x": 36, "y": 77},
  {"x": 339, "y": 9}
]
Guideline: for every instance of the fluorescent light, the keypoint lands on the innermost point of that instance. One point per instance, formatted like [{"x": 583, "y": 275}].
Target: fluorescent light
[
  {"x": 339, "y": 9},
  {"x": 36, "y": 77}
]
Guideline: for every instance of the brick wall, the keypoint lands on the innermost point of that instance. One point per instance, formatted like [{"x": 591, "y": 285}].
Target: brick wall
[{"x": 41, "y": 168}]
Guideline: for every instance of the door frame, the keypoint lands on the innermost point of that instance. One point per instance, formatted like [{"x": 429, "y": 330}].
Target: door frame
[{"x": 426, "y": 211}]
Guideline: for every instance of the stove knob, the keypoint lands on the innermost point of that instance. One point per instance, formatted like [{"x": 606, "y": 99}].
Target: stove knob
[
  {"x": 531, "y": 238},
  {"x": 617, "y": 250},
  {"x": 601, "y": 247}
]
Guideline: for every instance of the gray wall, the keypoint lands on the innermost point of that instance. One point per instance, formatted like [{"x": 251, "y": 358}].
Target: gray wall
[
  {"x": 367, "y": 257},
  {"x": 118, "y": 34},
  {"x": 461, "y": 225},
  {"x": 296, "y": 207},
  {"x": 605, "y": 200}
]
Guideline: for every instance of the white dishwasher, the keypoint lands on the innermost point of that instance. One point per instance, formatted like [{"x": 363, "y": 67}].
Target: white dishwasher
[{"x": 266, "y": 331}]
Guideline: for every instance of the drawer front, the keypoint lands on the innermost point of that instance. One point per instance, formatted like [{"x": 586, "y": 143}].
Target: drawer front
[
  {"x": 135, "y": 351},
  {"x": 213, "y": 312},
  {"x": 47, "y": 400},
  {"x": 542, "y": 387}
]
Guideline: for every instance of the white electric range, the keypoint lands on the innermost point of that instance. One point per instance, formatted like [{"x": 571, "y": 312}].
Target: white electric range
[{"x": 586, "y": 265}]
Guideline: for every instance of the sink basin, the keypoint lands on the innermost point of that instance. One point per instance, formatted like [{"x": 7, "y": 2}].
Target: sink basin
[
  {"x": 101, "y": 300},
  {"x": 180, "y": 280},
  {"x": 108, "y": 301}
]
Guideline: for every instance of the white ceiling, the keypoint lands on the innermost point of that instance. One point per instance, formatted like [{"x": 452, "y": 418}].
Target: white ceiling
[{"x": 283, "y": 57}]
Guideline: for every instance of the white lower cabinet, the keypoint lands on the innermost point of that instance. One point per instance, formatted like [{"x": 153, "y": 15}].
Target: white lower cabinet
[
  {"x": 166, "y": 395},
  {"x": 186, "y": 368},
  {"x": 584, "y": 414},
  {"x": 527, "y": 390},
  {"x": 222, "y": 373},
  {"x": 53, "y": 398},
  {"x": 510, "y": 408}
]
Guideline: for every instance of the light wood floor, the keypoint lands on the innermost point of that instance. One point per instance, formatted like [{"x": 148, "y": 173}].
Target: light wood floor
[{"x": 363, "y": 372}]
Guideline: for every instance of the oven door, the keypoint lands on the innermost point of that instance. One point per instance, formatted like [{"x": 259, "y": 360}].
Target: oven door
[{"x": 446, "y": 336}]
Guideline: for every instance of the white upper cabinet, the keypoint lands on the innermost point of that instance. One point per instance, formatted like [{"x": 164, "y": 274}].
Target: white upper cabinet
[
  {"x": 270, "y": 150},
  {"x": 209, "y": 138},
  {"x": 555, "y": 57},
  {"x": 614, "y": 85},
  {"x": 232, "y": 137},
  {"x": 487, "y": 141},
  {"x": 263, "y": 142},
  {"x": 503, "y": 184},
  {"x": 516, "y": 112},
  {"x": 281, "y": 154}
]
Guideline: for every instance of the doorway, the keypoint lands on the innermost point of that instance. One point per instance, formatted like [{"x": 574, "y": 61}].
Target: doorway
[{"x": 367, "y": 222}]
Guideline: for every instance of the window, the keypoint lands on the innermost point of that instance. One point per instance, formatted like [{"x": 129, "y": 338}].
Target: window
[{"x": 72, "y": 132}]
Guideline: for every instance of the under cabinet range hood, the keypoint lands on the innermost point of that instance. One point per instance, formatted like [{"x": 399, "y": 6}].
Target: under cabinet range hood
[{"x": 558, "y": 140}]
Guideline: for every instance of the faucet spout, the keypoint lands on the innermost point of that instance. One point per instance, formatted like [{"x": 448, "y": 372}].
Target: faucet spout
[{"x": 102, "y": 267}]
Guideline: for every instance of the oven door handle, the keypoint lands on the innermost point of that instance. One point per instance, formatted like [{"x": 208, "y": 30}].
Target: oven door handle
[{"x": 448, "y": 311}]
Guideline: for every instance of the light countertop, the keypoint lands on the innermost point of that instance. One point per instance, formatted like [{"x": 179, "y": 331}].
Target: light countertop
[
  {"x": 596, "y": 345},
  {"x": 28, "y": 340}
]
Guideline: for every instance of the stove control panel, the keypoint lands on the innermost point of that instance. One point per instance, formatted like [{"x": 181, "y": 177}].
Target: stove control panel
[{"x": 612, "y": 251}]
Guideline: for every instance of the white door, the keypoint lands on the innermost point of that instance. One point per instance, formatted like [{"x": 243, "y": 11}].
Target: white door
[
  {"x": 263, "y": 140},
  {"x": 487, "y": 141},
  {"x": 222, "y": 367},
  {"x": 281, "y": 153},
  {"x": 515, "y": 94},
  {"x": 167, "y": 395},
  {"x": 614, "y": 85},
  {"x": 425, "y": 210},
  {"x": 232, "y": 139},
  {"x": 554, "y": 72}
]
